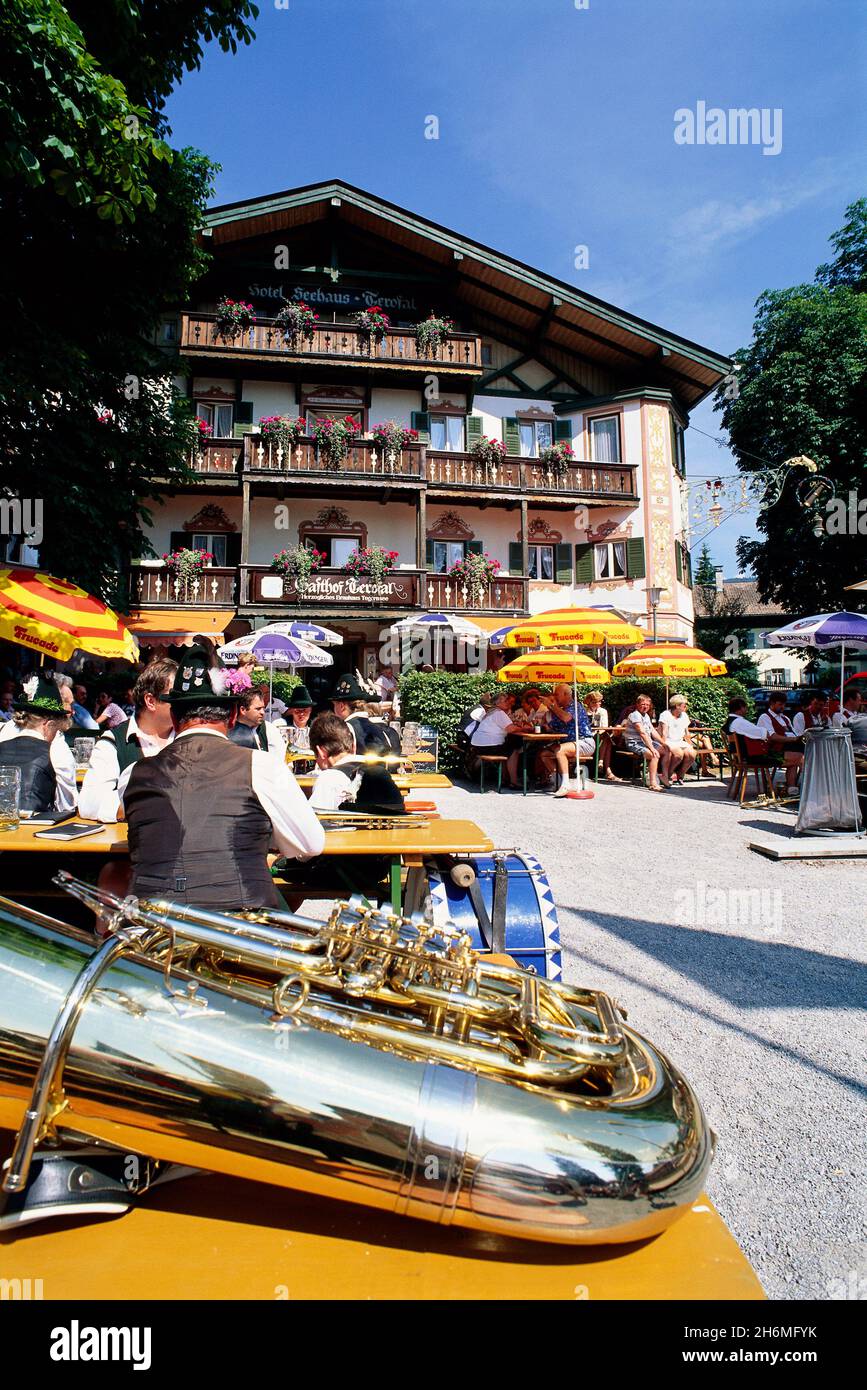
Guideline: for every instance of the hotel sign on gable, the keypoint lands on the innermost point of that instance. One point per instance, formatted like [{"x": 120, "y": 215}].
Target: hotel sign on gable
[{"x": 332, "y": 297}]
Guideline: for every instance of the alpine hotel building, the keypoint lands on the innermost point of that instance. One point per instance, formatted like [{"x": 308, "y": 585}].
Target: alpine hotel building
[{"x": 531, "y": 361}]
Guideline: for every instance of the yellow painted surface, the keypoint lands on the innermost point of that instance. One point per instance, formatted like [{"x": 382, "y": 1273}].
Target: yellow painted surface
[
  {"x": 432, "y": 837},
  {"x": 215, "y": 1237}
]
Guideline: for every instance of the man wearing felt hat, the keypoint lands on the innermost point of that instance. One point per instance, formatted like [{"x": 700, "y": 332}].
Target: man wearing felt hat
[
  {"x": 351, "y": 701},
  {"x": 297, "y": 719},
  {"x": 204, "y": 812},
  {"x": 34, "y": 742}
]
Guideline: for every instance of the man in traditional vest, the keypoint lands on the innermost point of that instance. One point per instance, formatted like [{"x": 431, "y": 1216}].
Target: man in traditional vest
[
  {"x": 777, "y": 722},
  {"x": 47, "y": 784},
  {"x": 813, "y": 716},
  {"x": 204, "y": 813},
  {"x": 147, "y": 732}
]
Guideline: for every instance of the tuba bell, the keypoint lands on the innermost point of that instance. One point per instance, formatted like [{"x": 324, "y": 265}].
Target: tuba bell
[{"x": 372, "y": 1058}]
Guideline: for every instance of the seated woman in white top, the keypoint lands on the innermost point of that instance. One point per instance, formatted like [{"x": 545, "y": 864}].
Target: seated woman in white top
[
  {"x": 674, "y": 732},
  {"x": 498, "y": 732},
  {"x": 338, "y": 769},
  {"x": 596, "y": 711}
]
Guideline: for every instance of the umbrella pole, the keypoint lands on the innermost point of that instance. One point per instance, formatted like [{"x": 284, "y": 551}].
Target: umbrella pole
[
  {"x": 575, "y": 712},
  {"x": 842, "y": 670}
]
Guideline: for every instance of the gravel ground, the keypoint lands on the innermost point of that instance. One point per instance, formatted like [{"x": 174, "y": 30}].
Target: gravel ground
[{"x": 757, "y": 997}]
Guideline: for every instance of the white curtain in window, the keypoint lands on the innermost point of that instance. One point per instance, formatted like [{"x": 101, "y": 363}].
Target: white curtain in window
[
  {"x": 528, "y": 442},
  {"x": 544, "y": 436},
  {"x": 546, "y": 555},
  {"x": 605, "y": 439},
  {"x": 600, "y": 559},
  {"x": 619, "y": 548}
]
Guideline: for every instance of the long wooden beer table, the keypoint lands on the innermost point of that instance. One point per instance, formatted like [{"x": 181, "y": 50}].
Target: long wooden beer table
[
  {"x": 233, "y": 1239},
  {"x": 407, "y": 845}
]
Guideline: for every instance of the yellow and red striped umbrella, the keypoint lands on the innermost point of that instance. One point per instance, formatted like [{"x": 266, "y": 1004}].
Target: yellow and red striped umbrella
[
  {"x": 577, "y": 627},
  {"x": 56, "y": 618},
  {"x": 554, "y": 666},
  {"x": 669, "y": 659}
]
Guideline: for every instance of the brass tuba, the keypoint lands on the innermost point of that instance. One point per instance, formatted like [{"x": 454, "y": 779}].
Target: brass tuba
[{"x": 372, "y": 1058}]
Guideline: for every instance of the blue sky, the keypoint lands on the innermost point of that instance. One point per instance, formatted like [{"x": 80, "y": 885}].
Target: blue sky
[{"x": 556, "y": 129}]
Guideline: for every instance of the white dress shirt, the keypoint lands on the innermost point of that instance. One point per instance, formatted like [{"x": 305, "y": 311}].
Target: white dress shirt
[
  {"x": 333, "y": 787},
  {"x": 840, "y": 720},
  {"x": 766, "y": 722},
  {"x": 747, "y": 729},
  {"x": 295, "y": 830},
  {"x": 62, "y": 761},
  {"x": 800, "y": 725},
  {"x": 104, "y": 784}
]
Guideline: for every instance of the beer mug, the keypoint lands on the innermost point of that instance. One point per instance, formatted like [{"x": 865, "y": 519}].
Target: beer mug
[{"x": 10, "y": 797}]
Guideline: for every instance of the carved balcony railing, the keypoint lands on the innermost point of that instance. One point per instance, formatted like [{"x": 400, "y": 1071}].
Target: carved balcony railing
[
  {"x": 444, "y": 591},
  {"x": 338, "y": 342},
  {"x": 217, "y": 457},
  {"x": 160, "y": 587},
  {"x": 453, "y": 469},
  {"x": 365, "y": 458}
]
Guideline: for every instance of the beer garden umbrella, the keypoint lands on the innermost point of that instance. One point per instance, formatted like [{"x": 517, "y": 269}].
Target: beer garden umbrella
[
  {"x": 669, "y": 659},
  {"x": 453, "y": 623},
  {"x": 553, "y": 665},
  {"x": 273, "y": 649},
  {"x": 55, "y": 618},
  {"x": 299, "y": 628},
  {"x": 824, "y": 630}
]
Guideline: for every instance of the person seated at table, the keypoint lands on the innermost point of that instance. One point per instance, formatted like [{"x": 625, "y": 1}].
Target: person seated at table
[
  {"x": 351, "y": 701},
  {"x": 204, "y": 812},
  {"x": 107, "y": 711},
  {"x": 639, "y": 737},
  {"x": 565, "y": 718},
  {"x": 673, "y": 729},
  {"x": 852, "y": 705},
  {"x": 757, "y": 745},
  {"x": 80, "y": 708},
  {"x": 7, "y": 705},
  {"x": 115, "y": 753},
  {"x": 814, "y": 714},
  {"x": 596, "y": 711},
  {"x": 498, "y": 732},
  {"x": 251, "y": 729},
  {"x": 31, "y": 743},
  {"x": 386, "y": 686},
  {"x": 776, "y": 721},
  {"x": 297, "y": 721},
  {"x": 338, "y": 767},
  {"x": 531, "y": 710}
]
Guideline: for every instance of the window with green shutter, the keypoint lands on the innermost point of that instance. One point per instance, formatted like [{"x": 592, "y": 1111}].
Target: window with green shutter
[
  {"x": 584, "y": 564},
  {"x": 511, "y": 435},
  {"x": 635, "y": 565},
  {"x": 474, "y": 430},
  {"x": 563, "y": 562},
  {"x": 516, "y": 557},
  {"x": 687, "y": 565},
  {"x": 475, "y": 548},
  {"x": 563, "y": 431},
  {"x": 420, "y": 420},
  {"x": 678, "y": 561}
]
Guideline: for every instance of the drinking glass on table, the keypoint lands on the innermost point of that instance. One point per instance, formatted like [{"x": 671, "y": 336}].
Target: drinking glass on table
[
  {"x": 10, "y": 797},
  {"x": 82, "y": 749}
]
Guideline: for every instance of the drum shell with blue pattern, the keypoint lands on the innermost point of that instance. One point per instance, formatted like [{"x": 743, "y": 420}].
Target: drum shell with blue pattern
[{"x": 532, "y": 930}]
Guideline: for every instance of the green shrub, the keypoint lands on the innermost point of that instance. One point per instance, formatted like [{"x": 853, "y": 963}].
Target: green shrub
[
  {"x": 442, "y": 698},
  {"x": 284, "y": 684}
]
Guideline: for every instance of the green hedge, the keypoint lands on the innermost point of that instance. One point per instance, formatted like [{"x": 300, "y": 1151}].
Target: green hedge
[
  {"x": 284, "y": 684},
  {"x": 442, "y": 698}
]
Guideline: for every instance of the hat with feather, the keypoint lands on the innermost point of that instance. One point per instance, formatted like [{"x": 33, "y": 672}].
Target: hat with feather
[
  {"x": 41, "y": 696},
  {"x": 197, "y": 683}
]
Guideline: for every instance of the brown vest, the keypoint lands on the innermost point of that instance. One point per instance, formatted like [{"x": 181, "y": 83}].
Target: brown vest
[{"x": 197, "y": 832}]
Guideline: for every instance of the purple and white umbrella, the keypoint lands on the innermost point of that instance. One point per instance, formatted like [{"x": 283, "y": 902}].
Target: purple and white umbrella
[
  {"x": 275, "y": 650},
  {"x": 824, "y": 630}
]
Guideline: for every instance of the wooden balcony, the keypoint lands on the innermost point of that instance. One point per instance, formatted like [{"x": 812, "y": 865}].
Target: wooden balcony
[
  {"x": 365, "y": 459},
  {"x": 460, "y": 470},
  {"x": 332, "y": 342},
  {"x": 156, "y": 586},
  {"x": 331, "y": 588},
  {"x": 507, "y": 593},
  {"x": 218, "y": 458}
]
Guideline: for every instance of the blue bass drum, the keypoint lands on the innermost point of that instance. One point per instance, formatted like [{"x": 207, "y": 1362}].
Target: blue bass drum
[{"x": 532, "y": 930}]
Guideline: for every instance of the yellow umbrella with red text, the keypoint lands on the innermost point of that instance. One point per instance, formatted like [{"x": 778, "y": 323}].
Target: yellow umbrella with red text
[
  {"x": 552, "y": 665},
  {"x": 574, "y": 627},
  {"x": 55, "y": 618},
  {"x": 670, "y": 661}
]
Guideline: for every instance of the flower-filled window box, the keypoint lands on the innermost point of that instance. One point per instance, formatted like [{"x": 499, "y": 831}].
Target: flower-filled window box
[
  {"x": 431, "y": 333},
  {"x": 334, "y": 438},
  {"x": 282, "y": 431},
  {"x": 234, "y": 317},
  {"x": 372, "y": 560},
  {"x": 297, "y": 320},
  {"x": 557, "y": 458}
]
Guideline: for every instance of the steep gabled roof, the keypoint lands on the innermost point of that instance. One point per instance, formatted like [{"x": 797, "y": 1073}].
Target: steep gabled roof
[{"x": 542, "y": 312}]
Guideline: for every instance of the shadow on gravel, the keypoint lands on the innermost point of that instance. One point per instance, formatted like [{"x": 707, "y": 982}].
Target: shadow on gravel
[{"x": 747, "y": 973}]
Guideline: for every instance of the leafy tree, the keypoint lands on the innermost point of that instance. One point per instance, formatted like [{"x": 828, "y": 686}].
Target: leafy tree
[
  {"x": 102, "y": 221},
  {"x": 803, "y": 393}
]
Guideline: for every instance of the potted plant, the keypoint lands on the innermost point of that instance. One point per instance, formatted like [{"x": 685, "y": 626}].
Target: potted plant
[
  {"x": 282, "y": 431},
  {"x": 372, "y": 323},
  {"x": 299, "y": 562},
  {"x": 234, "y": 316},
  {"x": 476, "y": 571},
  {"x": 431, "y": 333},
  {"x": 488, "y": 452},
  {"x": 557, "y": 458},
  {"x": 392, "y": 437},
  {"x": 333, "y": 438},
  {"x": 202, "y": 432},
  {"x": 296, "y": 320},
  {"x": 186, "y": 563},
  {"x": 371, "y": 560}
]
